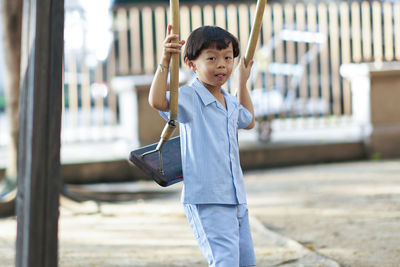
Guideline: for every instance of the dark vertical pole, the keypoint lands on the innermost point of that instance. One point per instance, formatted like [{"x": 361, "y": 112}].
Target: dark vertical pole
[{"x": 39, "y": 139}]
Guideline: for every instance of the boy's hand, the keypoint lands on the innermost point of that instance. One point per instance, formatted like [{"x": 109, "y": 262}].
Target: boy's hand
[
  {"x": 243, "y": 71},
  {"x": 242, "y": 92},
  {"x": 170, "y": 47}
]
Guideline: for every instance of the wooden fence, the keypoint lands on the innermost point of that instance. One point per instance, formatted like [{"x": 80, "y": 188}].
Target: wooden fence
[
  {"x": 359, "y": 31},
  {"x": 90, "y": 106},
  {"x": 356, "y": 32}
]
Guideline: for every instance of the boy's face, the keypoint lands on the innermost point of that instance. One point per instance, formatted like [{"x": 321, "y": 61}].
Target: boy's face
[{"x": 213, "y": 67}]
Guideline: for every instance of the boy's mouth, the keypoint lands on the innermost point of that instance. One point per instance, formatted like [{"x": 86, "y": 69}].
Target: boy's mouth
[{"x": 220, "y": 76}]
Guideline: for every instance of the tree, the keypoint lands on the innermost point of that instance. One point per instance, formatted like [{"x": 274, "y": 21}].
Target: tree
[{"x": 12, "y": 25}]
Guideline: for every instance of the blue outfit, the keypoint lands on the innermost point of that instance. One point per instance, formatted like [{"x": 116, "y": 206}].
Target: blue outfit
[
  {"x": 214, "y": 195},
  {"x": 209, "y": 147},
  {"x": 223, "y": 233}
]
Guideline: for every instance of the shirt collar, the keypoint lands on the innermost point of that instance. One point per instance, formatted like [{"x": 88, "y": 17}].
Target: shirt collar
[
  {"x": 207, "y": 98},
  {"x": 229, "y": 104},
  {"x": 205, "y": 95}
]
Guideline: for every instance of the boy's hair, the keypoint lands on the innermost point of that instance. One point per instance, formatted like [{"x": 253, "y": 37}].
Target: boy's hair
[{"x": 209, "y": 36}]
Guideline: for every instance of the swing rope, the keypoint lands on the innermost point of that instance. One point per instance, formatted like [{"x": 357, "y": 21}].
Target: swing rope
[
  {"x": 255, "y": 31},
  {"x": 174, "y": 79}
]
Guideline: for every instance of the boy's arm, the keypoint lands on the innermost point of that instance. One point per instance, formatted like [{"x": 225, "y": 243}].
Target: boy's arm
[
  {"x": 158, "y": 89},
  {"x": 243, "y": 94},
  {"x": 157, "y": 95}
]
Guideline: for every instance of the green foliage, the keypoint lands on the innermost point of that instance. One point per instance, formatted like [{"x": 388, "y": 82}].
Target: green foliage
[
  {"x": 377, "y": 156},
  {"x": 2, "y": 102}
]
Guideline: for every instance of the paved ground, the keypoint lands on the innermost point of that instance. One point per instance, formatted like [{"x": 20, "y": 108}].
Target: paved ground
[
  {"x": 319, "y": 215},
  {"x": 349, "y": 212}
]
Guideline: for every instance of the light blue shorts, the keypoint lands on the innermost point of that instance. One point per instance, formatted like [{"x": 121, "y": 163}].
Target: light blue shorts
[{"x": 223, "y": 233}]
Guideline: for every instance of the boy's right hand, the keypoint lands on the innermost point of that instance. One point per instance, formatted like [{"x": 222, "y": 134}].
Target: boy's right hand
[{"x": 170, "y": 47}]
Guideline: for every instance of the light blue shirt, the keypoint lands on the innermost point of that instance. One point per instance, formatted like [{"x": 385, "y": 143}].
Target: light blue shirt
[{"x": 209, "y": 146}]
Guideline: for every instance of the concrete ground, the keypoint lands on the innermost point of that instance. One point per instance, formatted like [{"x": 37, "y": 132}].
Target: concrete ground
[
  {"x": 349, "y": 212},
  {"x": 343, "y": 214}
]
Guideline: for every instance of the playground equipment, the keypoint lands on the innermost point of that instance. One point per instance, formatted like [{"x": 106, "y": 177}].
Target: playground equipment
[{"x": 283, "y": 97}]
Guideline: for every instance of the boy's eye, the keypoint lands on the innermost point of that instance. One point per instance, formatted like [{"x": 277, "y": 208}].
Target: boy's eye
[
  {"x": 211, "y": 58},
  {"x": 228, "y": 58}
]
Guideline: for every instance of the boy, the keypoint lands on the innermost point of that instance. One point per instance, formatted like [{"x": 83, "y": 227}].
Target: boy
[{"x": 213, "y": 197}]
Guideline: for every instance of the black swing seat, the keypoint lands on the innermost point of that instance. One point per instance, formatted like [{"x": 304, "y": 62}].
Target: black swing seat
[{"x": 165, "y": 172}]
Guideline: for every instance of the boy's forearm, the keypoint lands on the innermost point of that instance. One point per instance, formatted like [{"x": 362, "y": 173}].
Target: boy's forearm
[
  {"x": 245, "y": 100},
  {"x": 158, "y": 89}
]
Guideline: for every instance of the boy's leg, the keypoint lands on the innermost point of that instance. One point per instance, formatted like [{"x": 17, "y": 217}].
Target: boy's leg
[
  {"x": 247, "y": 255},
  {"x": 216, "y": 228}
]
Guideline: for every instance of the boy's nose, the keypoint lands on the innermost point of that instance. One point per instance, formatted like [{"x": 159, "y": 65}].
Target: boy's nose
[{"x": 221, "y": 63}]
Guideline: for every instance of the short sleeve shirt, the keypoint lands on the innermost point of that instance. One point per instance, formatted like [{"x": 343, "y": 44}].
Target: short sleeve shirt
[{"x": 209, "y": 145}]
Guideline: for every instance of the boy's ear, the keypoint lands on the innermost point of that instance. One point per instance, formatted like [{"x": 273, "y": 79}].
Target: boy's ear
[{"x": 190, "y": 64}]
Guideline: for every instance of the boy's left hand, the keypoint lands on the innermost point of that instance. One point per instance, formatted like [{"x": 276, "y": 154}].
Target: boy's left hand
[{"x": 243, "y": 71}]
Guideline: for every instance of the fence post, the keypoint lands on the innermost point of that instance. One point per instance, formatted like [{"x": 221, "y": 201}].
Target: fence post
[{"x": 39, "y": 140}]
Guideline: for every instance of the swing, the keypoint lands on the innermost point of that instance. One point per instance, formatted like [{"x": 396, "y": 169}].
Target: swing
[{"x": 162, "y": 160}]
